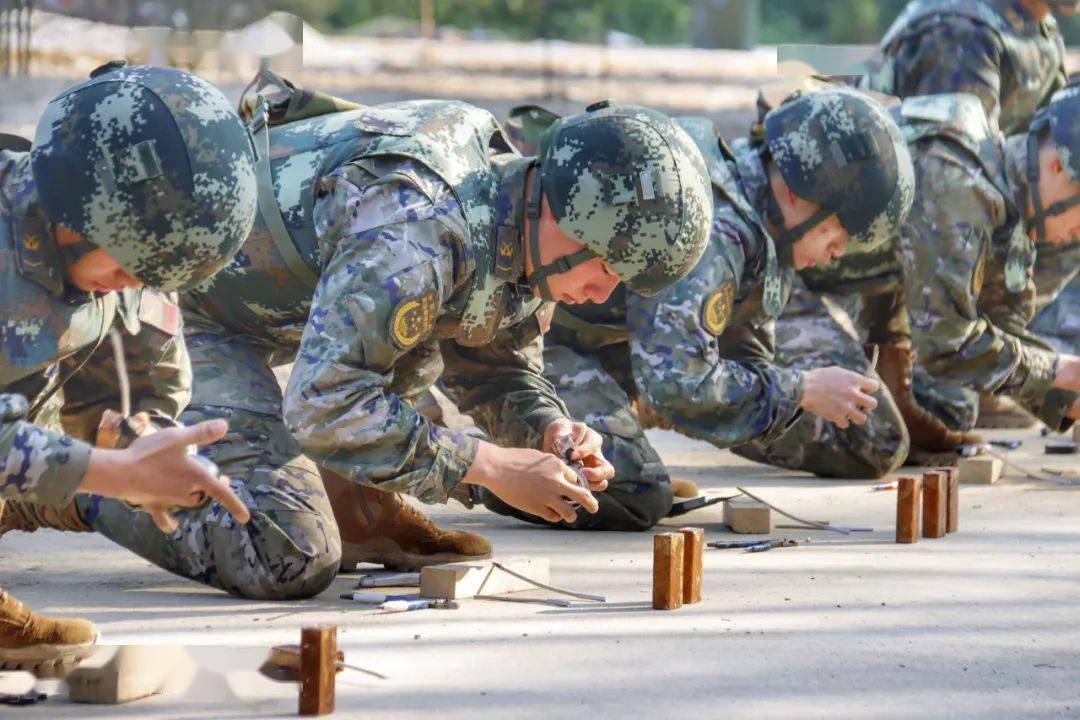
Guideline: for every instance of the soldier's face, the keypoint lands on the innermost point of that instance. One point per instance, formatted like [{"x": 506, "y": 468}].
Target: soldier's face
[
  {"x": 1055, "y": 186},
  {"x": 821, "y": 245},
  {"x": 591, "y": 281},
  {"x": 97, "y": 272}
]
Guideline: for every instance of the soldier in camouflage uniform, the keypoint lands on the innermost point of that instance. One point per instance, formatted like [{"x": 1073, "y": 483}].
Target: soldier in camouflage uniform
[
  {"x": 395, "y": 245},
  {"x": 139, "y": 178},
  {"x": 966, "y": 265},
  {"x": 831, "y": 173},
  {"x": 1008, "y": 53}
]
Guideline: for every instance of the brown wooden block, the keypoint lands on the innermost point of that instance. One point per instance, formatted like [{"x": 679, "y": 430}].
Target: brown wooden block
[
  {"x": 952, "y": 511},
  {"x": 318, "y": 670},
  {"x": 935, "y": 498},
  {"x": 908, "y": 492},
  {"x": 667, "y": 589},
  {"x": 979, "y": 470},
  {"x": 693, "y": 557},
  {"x": 744, "y": 515}
]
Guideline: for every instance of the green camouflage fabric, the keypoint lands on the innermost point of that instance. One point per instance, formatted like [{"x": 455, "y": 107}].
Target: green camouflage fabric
[
  {"x": 152, "y": 165},
  {"x": 630, "y": 185},
  {"x": 51, "y": 332},
  {"x": 992, "y": 49},
  {"x": 409, "y": 213}
]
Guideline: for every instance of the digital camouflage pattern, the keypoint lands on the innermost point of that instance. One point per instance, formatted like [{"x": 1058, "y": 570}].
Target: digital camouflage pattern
[
  {"x": 838, "y": 148},
  {"x": 50, "y": 330},
  {"x": 627, "y": 182},
  {"x": 152, "y": 165},
  {"x": 992, "y": 49}
]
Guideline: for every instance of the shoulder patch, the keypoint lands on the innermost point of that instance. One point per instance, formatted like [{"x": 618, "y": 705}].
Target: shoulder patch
[
  {"x": 413, "y": 319},
  {"x": 716, "y": 310},
  {"x": 160, "y": 310}
]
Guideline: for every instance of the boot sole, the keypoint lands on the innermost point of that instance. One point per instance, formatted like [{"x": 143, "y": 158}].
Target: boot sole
[
  {"x": 391, "y": 557},
  {"x": 45, "y": 661}
]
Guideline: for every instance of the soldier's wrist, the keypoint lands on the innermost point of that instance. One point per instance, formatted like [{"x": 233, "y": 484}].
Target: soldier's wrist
[{"x": 108, "y": 473}]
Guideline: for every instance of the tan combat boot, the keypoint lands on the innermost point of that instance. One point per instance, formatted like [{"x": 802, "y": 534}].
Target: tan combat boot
[
  {"x": 1001, "y": 411},
  {"x": 28, "y": 517},
  {"x": 379, "y": 527},
  {"x": 928, "y": 433},
  {"x": 44, "y": 646}
]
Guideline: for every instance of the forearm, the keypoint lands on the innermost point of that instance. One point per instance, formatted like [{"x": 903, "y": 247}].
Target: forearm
[{"x": 40, "y": 465}]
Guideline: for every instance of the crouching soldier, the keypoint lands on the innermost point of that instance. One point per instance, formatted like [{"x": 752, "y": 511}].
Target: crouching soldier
[{"x": 139, "y": 182}]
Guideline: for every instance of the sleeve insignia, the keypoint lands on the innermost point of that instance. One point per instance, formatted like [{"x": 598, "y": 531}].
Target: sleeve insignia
[
  {"x": 413, "y": 319},
  {"x": 717, "y": 309}
]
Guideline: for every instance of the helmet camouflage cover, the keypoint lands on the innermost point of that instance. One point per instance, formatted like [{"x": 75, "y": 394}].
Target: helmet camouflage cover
[
  {"x": 840, "y": 149},
  {"x": 151, "y": 165},
  {"x": 630, "y": 185}
]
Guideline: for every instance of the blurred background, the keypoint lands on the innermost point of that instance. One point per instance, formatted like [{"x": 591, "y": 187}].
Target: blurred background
[{"x": 681, "y": 56}]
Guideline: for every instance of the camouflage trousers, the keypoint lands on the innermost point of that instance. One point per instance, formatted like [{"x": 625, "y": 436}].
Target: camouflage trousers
[
  {"x": 815, "y": 331},
  {"x": 598, "y": 389},
  {"x": 291, "y": 548}
]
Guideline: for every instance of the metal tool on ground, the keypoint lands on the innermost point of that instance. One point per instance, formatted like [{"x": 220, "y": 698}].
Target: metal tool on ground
[
  {"x": 373, "y": 598},
  {"x": 753, "y": 545},
  {"x": 1061, "y": 447},
  {"x": 770, "y": 544},
  {"x": 391, "y": 579},
  {"x": 681, "y": 507},
  {"x": 880, "y": 487},
  {"x": 1007, "y": 444}
]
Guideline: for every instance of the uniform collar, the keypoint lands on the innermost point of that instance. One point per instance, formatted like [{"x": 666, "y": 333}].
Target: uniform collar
[
  {"x": 500, "y": 256},
  {"x": 776, "y": 262}
]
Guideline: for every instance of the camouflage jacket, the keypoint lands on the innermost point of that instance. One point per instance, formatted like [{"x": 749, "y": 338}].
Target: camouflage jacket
[
  {"x": 992, "y": 49},
  {"x": 702, "y": 350},
  {"x": 409, "y": 214},
  {"x": 52, "y": 334},
  {"x": 969, "y": 263}
]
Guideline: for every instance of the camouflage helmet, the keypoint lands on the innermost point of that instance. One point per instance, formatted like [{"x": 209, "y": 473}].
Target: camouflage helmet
[
  {"x": 628, "y": 184},
  {"x": 151, "y": 165},
  {"x": 839, "y": 148},
  {"x": 1059, "y": 121}
]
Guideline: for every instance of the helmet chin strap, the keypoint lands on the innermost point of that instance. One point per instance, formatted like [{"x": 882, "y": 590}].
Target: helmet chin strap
[
  {"x": 1040, "y": 214},
  {"x": 785, "y": 236},
  {"x": 538, "y": 278}
]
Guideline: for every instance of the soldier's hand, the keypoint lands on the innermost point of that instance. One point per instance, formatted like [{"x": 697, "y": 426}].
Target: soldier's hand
[
  {"x": 588, "y": 449},
  {"x": 838, "y": 395},
  {"x": 1068, "y": 373},
  {"x": 157, "y": 473},
  {"x": 532, "y": 481}
]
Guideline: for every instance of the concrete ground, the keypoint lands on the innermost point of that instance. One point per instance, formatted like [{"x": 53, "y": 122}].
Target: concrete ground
[{"x": 983, "y": 623}]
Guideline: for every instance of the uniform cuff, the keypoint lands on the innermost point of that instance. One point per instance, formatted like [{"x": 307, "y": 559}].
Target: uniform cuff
[
  {"x": 1041, "y": 368},
  {"x": 789, "y": 407},
  {"x": 455, "y": 455},
  {"x": 67, "y": 461}
]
